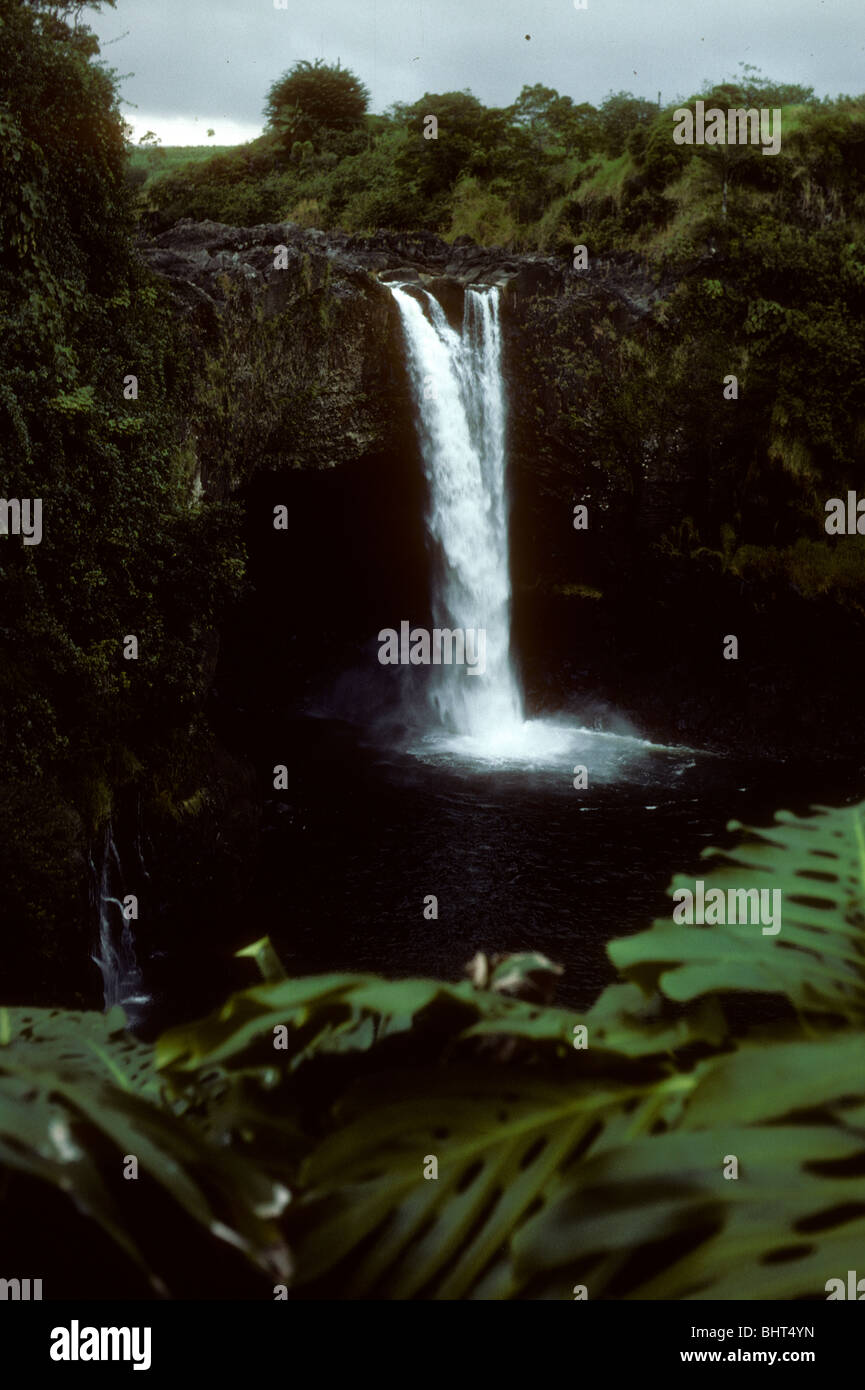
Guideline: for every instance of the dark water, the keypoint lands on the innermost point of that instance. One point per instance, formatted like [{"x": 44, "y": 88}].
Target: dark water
[{"x": 517, "y": 858}]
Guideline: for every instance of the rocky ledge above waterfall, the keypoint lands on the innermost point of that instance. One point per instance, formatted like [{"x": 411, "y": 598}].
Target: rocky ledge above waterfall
[
  {"x": 305, "y": 351},
  {"x": 198, "y": 254}
]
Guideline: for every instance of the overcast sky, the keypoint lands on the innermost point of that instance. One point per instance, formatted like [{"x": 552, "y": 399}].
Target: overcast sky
[{"x": 194, "y": 64}]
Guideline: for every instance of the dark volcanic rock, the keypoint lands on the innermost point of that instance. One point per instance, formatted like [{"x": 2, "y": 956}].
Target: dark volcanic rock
[
  {"x": 320, "y": 381},
  {"x": 302, "y": 371}
]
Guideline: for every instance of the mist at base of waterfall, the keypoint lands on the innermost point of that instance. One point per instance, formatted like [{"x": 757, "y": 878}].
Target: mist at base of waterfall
[{"x": 550, "y": 745}]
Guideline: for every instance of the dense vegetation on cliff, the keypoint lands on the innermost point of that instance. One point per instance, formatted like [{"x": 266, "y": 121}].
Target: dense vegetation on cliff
[
  {"x": 540, "y": 174},
  {"x": 762, "y": 260},
  {"x": 705, "y": 504},
  {"x": 126, "y": 549},
  {"x": 558, "y": 1165}
]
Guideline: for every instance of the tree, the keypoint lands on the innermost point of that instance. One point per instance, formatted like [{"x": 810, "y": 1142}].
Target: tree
[
  {"x": 78, "y": 312},
  {"x": 150, "y": 144},
  {"x": 470, "y": 140},
  {"x": 753, "y": 89},
  {"x": 553, "y": 120},
  {"x": 312, "y": 98},
  {"x": 63, "y": 8},
  {"x": 735, "y": 164},
  {"x": 531, "y": 110},
  {"x": 620, "y": 113},
  {"x": 578, "y": 128}
]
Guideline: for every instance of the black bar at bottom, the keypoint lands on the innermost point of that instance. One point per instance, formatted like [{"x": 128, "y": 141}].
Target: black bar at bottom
[{"x": 249, "y": 1338}]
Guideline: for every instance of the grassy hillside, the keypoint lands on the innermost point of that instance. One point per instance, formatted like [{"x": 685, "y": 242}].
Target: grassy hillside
[
  {"x": 168, "y": 159},
  {"x": 538, "y": 175}
]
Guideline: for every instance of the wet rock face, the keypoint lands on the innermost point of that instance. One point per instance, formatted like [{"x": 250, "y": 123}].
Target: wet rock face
[
  {"x": 299, "y": 395},
  {"x": 305, "y": 341},
  {"x": 200, "y": 254},
  {"x": 298, "y": 355}
]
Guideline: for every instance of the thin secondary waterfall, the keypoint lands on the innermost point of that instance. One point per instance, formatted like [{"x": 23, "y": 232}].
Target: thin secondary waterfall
[
  {"x": 117, "y": 959},
  {"x": 459, "y": 391}
]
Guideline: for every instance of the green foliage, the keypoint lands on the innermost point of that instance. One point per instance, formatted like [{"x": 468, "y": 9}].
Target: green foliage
[
  {"x": 364, "y": 191},
  {"x": 610, "y": 1175},
  {"x": 814, "y": 569},
  {"x": 468, "y": 142},
  {"x": 542, "y": 1147},
  {"x": 122, "y": 551},
  {"x": 482, "y": 214},
  {"x": 340, "y": 1013},
  {"x": 764, "y": 295},
  {"x": 543, "y": 173},
  {"x": 620, "y": 116},
  {"x": 650, "y": 1216},
  {"x": 314, "y": 98},
  {"x": 815, "y": 961},
  {"x": 241, "y": 186},
  {"x": 661, "y": 160},
  {"x": 142, "y": 171},
  {"x": 557, "y": 1164},
  {"x": 77, "y": 1097},
  {"x": 752, "y": 88},
  {"x": 556, "y": 122}
]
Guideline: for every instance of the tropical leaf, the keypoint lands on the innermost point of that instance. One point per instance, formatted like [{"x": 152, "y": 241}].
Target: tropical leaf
[
  {"x": 450, "y": 1141},
  {"x": 543, "y": 1183},
  {"x": 82, "y": 1044},
  {"x": 624, "y": 1020},
  {"x": 328, "y": 1014},
  {"x": 78, "y": 1098},
  {"x": 789, "y": 1221},
  {"x": 500, "y": 1137},
  {"x": 816, "y": 960},
  {"x": 614, "y": 1178},
  {"x": 253, "y": 1069}
]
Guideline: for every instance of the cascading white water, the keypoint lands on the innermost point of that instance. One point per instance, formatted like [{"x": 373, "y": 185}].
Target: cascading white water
[{"x": 460, "y": 394}]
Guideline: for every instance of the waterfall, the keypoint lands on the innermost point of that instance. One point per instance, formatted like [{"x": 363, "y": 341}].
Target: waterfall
[
  {"x": 460, "y": 398},
  {"x": 459, "y": 391},
  {"x": 117, "y": 958}
]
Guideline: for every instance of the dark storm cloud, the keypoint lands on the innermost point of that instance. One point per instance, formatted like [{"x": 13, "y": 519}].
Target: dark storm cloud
[{"x": 215, "y": 59}]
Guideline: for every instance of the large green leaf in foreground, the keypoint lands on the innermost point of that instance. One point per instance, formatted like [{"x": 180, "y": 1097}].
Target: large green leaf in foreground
[
  {"x": 502, "y": 1138},
  {"x": 344, "y": 1013},
  {"x": 78, "y": 1097},
  {"x": 791, "y": 1116},
  {"x": 615, "y": 1180},
  {"x": 817, "y": 959},
  {"x": 445, "y": 1141}
]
